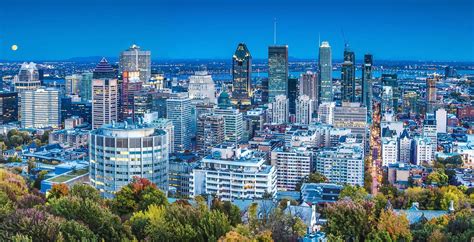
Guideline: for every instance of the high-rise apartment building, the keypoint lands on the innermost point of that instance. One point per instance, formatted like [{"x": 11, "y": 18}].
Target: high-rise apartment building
[
  {"x": 304, "y": 110},
  {"x": 325, "y": 73},
  {"x": 429, "y": 130},
  {"x": 137, "y": 150},
  {"x": 292, "y": 164},
  {"x": 277, "y": 71},
  {"x": 441, "y": 120},
  {"x": 423, "y": 150},
  {"x": 390, "y": 82},
  {"x": 178, "y": 110},
  {"x": 136, "y": 60},
  {"x": 210, "y": 132},
  {"x": 389, "y": 151},
  {"x": 233, "y": 124},
  {"x": 232, "y": 173},
  {"x": 279, "y": 109},
  {"x": 326, "y": 112},
  {"x": 40, "y": 108},
  {"x": 241, "y": 76},
  {"x": 351, "y": 116},
  {"x": 404, "y": 147},
  {"x": 342, "y": 164}
]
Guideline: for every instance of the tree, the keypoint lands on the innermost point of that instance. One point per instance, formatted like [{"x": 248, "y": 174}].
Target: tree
[
  {"x": 137, "y": 196},
  {"x": 314, "y": 177},
  {"x": 85, "y": 191},
  {"x": 398, "y": 227},
  {"x": 98, "y": 218},
  {"x": 58, "y": 190},
  {"x": 355, "y": 193},
  {"x": 229, "y": 209},
  {"x": 30, "y": 222},
  {"x": 437, "y": 178},
  {"x": 350, "y": 220}
]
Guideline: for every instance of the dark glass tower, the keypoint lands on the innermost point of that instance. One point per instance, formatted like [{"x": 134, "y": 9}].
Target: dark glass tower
[
  {"x": 367, "y": 81},
  {"x": 292, "y": 94},
  {"x": 8, "y": 107},
  {"x": 348, "y": 76},
  {"x": 241, "y": 76},
  {"x": 277, "y": 71}
]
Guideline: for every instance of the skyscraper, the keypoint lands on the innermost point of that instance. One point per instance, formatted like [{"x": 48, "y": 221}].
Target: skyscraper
[
  {"x": 367, "y": 81},
  {"x": 136, "y": 60},
  {"x": 104, "y": 95},
  {"x": 277, "y": 71},
  {"x": 304, "y": 110},
  {"x": 210, "y": 132},
  {"x": 27, "y": 78},
  {"x": 86, "y": 87},
  {"x": 8, "y": 107},
  {"x": 138, "y": 150},
  {"x": 391, "y": 80},
  {"x": 178, "y": 110},
  {"x": 40, "y": 108},
  {"x": 130, "y": 86},
  {"x": 431, "y": 94},
  {"x": 292, "y": 94},
  {"x": 325, "y": 73},
  {"x": 233, "y": 124},
  {"x": 241, "y": 76},
  {"x": 280, "y": 110},
  {"x": 73, "y": 84},
  {"x": 201, "y": 87},
  {"x": 308, "y": 85},
  {"x": 348, "y": 84}
]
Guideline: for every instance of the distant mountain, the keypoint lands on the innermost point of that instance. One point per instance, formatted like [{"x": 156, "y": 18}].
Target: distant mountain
[{"x": 92, "y": 59}]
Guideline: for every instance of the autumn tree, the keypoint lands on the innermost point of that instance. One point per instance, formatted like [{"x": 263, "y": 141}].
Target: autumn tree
[{"x": 137, "y": 196}]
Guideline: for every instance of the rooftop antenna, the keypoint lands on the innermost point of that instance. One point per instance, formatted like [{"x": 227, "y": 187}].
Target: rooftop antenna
[
  {"x": 275, "y": 31},
  {"x": 344, "y": 38},
  {"x": 319, "y": 39}
]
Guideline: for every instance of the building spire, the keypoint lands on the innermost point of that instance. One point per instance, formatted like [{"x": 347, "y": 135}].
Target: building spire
[{"x": 274, "y": 31}]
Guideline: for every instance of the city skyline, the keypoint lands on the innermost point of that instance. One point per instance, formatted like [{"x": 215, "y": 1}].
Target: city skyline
[{"x": 53, "y": 30}]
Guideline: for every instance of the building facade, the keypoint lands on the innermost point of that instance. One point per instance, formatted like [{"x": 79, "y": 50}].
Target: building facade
[
  {"x": 119, "y": 152},
  {"x": 136, "y": 60},
  {"x": 325, "y": 73},
  {"x": 40, "y": 108},
  {"x": 241, "y": 76},
  {"x": 231, "y": 173},
  {"x": 178, "y": 111},
  {"x": 277, "y": 71}
]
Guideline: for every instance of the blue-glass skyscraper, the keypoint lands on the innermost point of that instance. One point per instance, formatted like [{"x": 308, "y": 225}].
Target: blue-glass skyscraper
[{"x": 277, "y": 71}]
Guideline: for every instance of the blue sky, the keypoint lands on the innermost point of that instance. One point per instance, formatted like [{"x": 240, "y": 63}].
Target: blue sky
[{"x": 389, "y": 29}]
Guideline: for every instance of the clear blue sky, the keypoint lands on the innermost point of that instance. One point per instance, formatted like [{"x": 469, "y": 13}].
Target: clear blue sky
[{"x": 389, "y": 29}]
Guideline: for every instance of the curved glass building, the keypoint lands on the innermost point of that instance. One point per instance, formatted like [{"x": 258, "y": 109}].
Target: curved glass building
[{"x": 118, "y": 152}]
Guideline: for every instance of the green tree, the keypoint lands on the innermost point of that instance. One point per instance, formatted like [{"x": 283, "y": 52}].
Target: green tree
[
  {"x": 97, "y": 218},
  {"x": 437, "y": 178},
  {"x": 229, "y": 209},
  {"x": 137, "y": 196},
  {"x": 85, "y": 191},
  {"x": 314, "y": 177},
  {"x": 355, "y": 193},
  {"x": 349, "y": 220}
]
